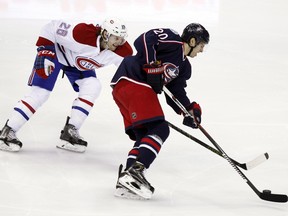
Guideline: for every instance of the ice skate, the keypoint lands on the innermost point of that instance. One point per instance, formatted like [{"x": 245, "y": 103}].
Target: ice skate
[
  {"x": 8, "y": 140},
  {"x": 132, "y": 183},
  {"x": 70, "y": 139},
  {"x": 123, "y": 192}
]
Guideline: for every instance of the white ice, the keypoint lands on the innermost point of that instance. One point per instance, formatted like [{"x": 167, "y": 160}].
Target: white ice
[{"x": 241, "y": 82}]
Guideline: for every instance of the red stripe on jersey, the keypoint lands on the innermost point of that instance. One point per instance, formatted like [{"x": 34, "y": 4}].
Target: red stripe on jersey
[
  {"x": 44, "y": 42},
  {"x": 28, "y": 106},
  {"x": 86, "y": 34},
  {"x": 151, "y": 142},
  {"x": 86, "y": 101},
  {"x": 124, "y": 50}
]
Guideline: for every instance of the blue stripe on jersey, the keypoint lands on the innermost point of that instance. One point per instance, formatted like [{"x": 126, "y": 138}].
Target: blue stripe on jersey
[
  {"x": 22, "y": 113},
  {"x": 81, "y": 109}
]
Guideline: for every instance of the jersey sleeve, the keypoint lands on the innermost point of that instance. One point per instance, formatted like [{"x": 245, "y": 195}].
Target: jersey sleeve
[
  {"x": 177, "y": 87},
  {"x": 146, "y": 46},
  {"x": 108, "y": 57},
  {"x": 155, "y": 41},
  {"x": 86, "y": 34},
  {"x": 124, "y": 50},
  {"x": 75, "y": 37},
  {"x": 44, "y": 42}
]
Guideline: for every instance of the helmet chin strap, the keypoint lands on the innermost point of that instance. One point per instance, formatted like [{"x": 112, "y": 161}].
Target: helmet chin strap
[
  {"x": 191, "y": 49},
  {"x": 105, "y": 38}
]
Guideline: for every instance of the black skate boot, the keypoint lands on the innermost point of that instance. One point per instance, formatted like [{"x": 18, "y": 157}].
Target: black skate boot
[
  {"x": 124, "y": 192},
  {"x": 134, "y": 181},
  {"x": 70, "y": 139},
  {"x": 8, "y": 139}
]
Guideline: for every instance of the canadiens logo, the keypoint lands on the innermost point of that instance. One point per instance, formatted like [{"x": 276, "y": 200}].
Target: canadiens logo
[{"x": 84, "y": 63}]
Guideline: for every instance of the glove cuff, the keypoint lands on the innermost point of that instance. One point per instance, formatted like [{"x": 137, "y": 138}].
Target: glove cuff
[{"x": 195, "y": 107}]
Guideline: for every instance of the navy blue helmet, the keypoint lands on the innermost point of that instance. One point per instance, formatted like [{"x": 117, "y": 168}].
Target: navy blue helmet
[{"x": 197, "y": 31}]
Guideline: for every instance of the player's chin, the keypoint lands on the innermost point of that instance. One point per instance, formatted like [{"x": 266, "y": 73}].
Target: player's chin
[
  {"x": 193, "y": 55},
  {"x": 113, "y": 48}
]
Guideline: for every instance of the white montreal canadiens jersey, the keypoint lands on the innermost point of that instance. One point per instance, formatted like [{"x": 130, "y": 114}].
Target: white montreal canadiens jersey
[{"x": 76, "y": 54}]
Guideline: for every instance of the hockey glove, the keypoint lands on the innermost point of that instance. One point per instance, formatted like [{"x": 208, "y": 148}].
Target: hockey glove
[
  {"x": 44, "y": 62},
  {"x": 154, "y": 73},
  {"x": 195, "y": 110}
]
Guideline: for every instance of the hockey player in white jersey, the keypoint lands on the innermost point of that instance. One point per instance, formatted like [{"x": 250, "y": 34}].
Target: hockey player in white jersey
[{"x": 76, "y": 49}]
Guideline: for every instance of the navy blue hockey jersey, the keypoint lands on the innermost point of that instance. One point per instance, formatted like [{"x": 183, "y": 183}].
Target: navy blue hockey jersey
[{"x": 157, "y": 44}]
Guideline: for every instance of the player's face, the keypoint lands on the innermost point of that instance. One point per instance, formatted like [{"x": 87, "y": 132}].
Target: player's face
[
  {"x": 114, "y": 42},
  {"x": 199, "y": 48}
]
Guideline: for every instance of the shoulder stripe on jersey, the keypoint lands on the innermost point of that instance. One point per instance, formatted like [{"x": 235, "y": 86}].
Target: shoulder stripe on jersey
[{"x": 86, "y": 34}]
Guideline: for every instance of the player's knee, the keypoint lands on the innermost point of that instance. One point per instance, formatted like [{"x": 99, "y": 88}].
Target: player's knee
[
  {"x": 89, "y": 88},
  {"x": 37, "y": 96},
  {"x": 159, "y": 128},
  {"x": 165, "y": 130}
]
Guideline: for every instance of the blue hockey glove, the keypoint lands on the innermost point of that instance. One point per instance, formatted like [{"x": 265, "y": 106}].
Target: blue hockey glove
[
  {"x": 44, "y": 62},
  {"x": 195, "y": 110}
]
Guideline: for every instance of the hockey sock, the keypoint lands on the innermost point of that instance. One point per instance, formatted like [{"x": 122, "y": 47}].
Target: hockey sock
[
  {"x": 89, "y": 90},
  {"x": 26, "y": 107},
  {"x": 132, "y": 156},
  {"x": 151, "y": 143},
  {"x": 80, "y": 110}
]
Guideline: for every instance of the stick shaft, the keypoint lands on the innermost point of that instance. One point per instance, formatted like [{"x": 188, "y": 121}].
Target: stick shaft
[
  {"x": 267, "y": 197},
  {"x": 243, "y": 166}
]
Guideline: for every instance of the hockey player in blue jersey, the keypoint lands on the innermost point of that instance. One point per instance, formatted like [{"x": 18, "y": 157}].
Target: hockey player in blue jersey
[{"x": 161, "y": 59}]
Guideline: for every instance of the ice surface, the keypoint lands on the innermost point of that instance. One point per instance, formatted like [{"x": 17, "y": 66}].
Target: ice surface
[{"x": 240, "y": 81}]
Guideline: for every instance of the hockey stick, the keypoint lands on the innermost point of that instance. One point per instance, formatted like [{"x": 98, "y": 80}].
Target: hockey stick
[
  {"x": 266, "y": 194},
  {"x": 246, "y": 166}
]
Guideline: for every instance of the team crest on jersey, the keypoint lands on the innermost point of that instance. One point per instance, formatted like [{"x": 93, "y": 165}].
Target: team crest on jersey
[
  {"x": 171, "y": 72},
  {"x": 84, "y": 63}
]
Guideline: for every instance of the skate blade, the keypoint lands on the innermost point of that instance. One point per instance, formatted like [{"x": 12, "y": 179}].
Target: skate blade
[
  {"x": 68, "y": 146},
  {"x": 11, "y": 147},
  {"x": 128, "y": 182},
  {"x": 126, "y": 194}
]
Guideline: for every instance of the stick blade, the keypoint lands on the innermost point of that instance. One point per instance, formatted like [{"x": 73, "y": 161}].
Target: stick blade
[{"x": 282, "y": 198}]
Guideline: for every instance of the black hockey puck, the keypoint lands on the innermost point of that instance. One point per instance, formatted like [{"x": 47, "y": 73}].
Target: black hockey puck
[{"x": 267, "y": 191}]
